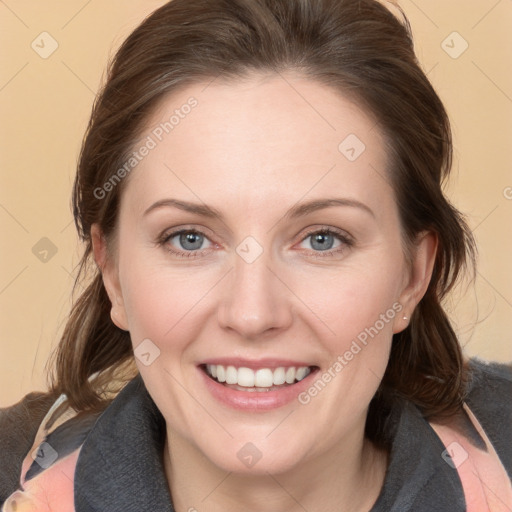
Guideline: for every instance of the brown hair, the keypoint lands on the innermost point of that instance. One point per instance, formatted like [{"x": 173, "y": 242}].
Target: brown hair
[{"x": 357, "y": 47}]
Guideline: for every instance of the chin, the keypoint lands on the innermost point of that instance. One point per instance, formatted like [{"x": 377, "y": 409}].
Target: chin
[{"x": 256, "y": 458}]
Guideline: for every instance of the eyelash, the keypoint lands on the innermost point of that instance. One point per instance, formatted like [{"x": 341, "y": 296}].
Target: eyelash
[{"x": 342, "y": 236}]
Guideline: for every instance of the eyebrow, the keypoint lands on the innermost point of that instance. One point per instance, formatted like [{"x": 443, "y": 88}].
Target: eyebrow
[{"x": 299, "y": 210}]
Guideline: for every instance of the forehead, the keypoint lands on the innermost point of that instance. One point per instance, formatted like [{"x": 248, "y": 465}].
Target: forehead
[{"x": 257, "y": 139}]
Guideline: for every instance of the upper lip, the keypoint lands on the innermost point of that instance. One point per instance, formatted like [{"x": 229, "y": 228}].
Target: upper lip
[{"x": 255, "y": 364}]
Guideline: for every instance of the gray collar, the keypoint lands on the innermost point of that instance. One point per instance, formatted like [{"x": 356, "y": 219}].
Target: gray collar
[
  {"x": 120, "y": 467},
  {"x": 418, "y": 479}
]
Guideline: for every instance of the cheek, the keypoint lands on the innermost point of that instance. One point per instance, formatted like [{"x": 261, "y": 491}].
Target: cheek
[
  {"x": 353, "y": 299},
  {"x": 160, "y": 302}
]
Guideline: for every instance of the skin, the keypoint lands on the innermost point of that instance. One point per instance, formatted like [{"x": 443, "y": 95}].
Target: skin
[{"x": 252, "y": 149}]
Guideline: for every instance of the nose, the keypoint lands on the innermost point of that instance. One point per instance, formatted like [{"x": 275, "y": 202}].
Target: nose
[{"x": 255, "y": 300}]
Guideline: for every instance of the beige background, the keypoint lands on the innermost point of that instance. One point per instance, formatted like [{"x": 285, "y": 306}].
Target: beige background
[{"x": 44, "y": 107}]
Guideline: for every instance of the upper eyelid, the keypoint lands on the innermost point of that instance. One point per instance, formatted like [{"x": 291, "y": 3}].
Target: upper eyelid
[
  {"x": 334, "y": 231},
  {"x": 166, "y": 233}
]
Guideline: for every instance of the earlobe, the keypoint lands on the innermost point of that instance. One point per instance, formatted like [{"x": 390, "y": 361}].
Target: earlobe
[
  {"x": 118, "y": 319},
  {"x": 110, "y": 277},
  {"x": 422, "y": 266}
]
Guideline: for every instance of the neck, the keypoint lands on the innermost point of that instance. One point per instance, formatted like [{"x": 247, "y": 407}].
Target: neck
[{"x": 348, "y": 478}]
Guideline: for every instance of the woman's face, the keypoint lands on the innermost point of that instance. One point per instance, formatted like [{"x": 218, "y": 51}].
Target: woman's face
[{"x": 289, "y": 256}]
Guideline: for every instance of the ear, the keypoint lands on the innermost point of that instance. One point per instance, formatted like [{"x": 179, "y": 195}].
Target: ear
[
  {"x": 110, "y": 277},
  {"x": 422, "y": 264}
]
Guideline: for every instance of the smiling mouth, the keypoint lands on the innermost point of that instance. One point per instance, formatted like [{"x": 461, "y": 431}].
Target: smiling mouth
[{"x": 261, "y": 380}]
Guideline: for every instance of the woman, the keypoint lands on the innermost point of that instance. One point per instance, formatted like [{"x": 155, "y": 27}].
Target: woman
[{"x": 260, "y": 189}]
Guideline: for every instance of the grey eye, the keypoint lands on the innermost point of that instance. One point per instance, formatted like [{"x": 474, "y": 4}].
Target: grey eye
[
  {"x": 187, "y": 240},
  {"x": 322, "y": 241}
]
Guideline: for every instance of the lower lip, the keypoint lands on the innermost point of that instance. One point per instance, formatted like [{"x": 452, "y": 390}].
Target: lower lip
[{"x": 255, "y": 401}]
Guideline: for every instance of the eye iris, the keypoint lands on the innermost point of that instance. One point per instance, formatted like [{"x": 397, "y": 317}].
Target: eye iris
[
  {"x": 325, "y": 241},
  {"x": 193, "y": 238}
]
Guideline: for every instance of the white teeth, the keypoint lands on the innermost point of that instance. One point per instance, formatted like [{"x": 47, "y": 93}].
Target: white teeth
[
  {"x": 221, "y": 373},
  {"x": 262, "y": 378},
  {"x": 300, "y": 373},
  {"x": 290, "y": 375},
  {"x": 279, "y": 376},
  {"x": 246, "y": 377},
  {"x": 231, "y": 375}
]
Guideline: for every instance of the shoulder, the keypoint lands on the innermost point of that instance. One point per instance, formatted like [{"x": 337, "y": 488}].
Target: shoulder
[
  {"x": 489, "y": 398},
  {"x": 496, "y": 376},
  {"x": 43, "y": 436},
  {"x": 426, "y": 471},
  {"x": 490, "y": 390},
  {"x": 18, "y": 428}
]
